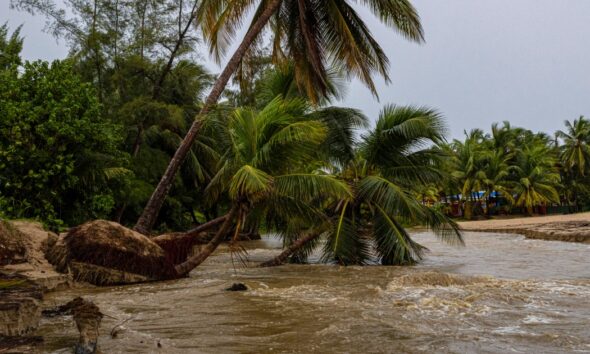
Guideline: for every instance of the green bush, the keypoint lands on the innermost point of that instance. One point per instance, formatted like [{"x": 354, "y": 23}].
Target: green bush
[{"x": 57, "y": 155}]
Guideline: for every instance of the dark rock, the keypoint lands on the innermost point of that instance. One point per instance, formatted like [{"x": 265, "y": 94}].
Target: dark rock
[
  {"x": 87, "y": 317},
  {"x": 237, "y": 287}
]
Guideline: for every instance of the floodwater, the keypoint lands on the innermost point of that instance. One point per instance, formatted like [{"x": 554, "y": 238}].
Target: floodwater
[{"x": 499, "y": 294}]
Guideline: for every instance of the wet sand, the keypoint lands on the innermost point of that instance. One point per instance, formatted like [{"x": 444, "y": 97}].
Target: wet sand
[{"x": 568, "y": 228}]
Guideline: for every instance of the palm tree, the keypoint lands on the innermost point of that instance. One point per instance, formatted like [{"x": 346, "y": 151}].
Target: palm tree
[
  {"x": 315, "y": 34},
  {"x": 263, "y": 171},
  {"x": 536, "y": 179},
  {"x": 576, "y": 151},
  {"x": 497, "y": 171},
  {"x": 504, "y": 137},
  {"x": 391, "y": 159},
  {"x": 468, "y": 167}
]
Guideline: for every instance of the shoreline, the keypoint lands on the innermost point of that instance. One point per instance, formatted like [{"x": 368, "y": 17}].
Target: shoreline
[
  {"x": 24, "y": 281},
  {"x": 566, "y": 228}
]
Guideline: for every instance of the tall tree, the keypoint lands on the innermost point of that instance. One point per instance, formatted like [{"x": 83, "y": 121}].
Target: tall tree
[
  {"x": 316, "y": 34},
  {"x": 10, "y": 48},
  {"x": 139, "y": 54}
]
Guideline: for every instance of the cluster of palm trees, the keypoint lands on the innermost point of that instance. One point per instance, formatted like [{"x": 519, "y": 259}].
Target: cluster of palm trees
[
  {"x": 291, "y": 165},
  {"x": 299, "y": 171},
  {"x": 515, "y": 166},
  {"x": 320, "y": 39},
  {"x": 282, "y": 160}
]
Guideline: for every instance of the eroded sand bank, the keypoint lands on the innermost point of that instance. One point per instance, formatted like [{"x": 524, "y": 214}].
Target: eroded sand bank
[{"x": 570, "y": 228}]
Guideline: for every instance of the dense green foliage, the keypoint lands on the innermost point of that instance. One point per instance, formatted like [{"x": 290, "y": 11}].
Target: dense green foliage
[
  {"x": 59, "y": 156},
  {"x": 139, "y": 57}
]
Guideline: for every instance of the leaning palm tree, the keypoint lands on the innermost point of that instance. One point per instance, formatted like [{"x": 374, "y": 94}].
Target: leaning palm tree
[
  {"x": 315, "y": 34},
  {"x": 264, "y": 170},
  {"x": 391, "y": 159}
]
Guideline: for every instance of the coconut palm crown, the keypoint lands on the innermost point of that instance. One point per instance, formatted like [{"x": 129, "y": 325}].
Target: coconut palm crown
[
  {"x": 320, "y": 37},
  {"x": 264, "y": 171},
  {"x": 371, "y": 225},
  {"x": 576, "y": 151}
]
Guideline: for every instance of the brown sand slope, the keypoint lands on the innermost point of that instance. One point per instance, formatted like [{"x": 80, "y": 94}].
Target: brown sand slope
[{"x": 570, "y": 228}]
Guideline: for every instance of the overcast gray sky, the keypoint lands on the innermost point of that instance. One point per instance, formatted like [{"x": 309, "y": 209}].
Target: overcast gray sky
[{"x": 526, "y": 61}]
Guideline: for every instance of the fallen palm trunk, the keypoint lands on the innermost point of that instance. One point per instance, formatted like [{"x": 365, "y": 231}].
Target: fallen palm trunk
[
  {"x": 194, "y": 261},
  {"x": 179, "y": 245},
  {"x": 207, "y": 226},
  {"x": 294, "y": 247}
]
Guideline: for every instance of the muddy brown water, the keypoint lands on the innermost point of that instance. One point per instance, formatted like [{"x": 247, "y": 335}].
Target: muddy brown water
[{"x": 499, "y": 294}]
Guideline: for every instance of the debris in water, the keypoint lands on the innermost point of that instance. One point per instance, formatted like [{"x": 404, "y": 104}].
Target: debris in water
[
  {"x": 87, "y": 317},
  {"x": 118, "y": 328},
  {"x": 237, "y": 287}
]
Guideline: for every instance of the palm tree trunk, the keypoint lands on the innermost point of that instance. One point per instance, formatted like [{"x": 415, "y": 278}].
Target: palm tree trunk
[
  {"x": 178, "y": 246},
  {"x": 294, "y": 247},
  {"x": 186, "y": 267},
  {"x": 120, "y": 211},
  {"x": 192, "y": 235},
  {"x": 150, "y": 212},
  {"x": 208, "y": 225}
]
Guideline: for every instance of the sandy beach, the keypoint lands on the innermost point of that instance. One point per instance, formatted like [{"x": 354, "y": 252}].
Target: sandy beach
[
  {"x": 570, "y": 227},
  {"x": 523, "y": 221}
]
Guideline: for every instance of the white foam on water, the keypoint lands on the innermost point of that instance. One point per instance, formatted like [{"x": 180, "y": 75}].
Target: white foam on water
[
  {"x": 302, "y": 293},
  {"x": 509, "y": 330},
  {"x": 566, "y": 288},
  {"x": 532, "y": 319}
]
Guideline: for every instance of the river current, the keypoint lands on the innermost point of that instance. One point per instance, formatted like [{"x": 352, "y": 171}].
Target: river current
[{"x": 498, "y": 294}]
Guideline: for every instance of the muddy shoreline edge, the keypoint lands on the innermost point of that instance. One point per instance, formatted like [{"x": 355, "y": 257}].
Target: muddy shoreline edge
[
  {"x": 25, "y": 276},
  {"x": 565, "y": 228}
]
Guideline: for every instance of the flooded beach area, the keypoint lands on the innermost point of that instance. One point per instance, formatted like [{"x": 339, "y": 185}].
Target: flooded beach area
[{"x": 500, "y": 293}]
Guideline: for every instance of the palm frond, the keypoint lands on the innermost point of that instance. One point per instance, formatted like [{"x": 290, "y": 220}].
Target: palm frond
[
  {"x": 345, "y": 244},
  {"x": 389, "y": 196},
  {"x": 309, "y": 186},
  {"x": 392, "y": 242},
  {"x": 249, "y": 182}
]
